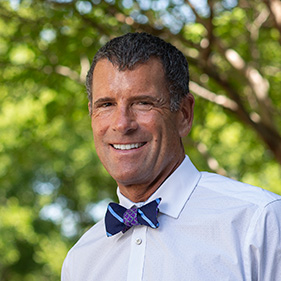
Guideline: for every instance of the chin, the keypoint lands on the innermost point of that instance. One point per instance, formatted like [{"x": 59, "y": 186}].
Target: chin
[{"x": 127, "y": 180}]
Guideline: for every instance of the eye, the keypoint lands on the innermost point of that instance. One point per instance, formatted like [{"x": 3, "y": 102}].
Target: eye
[
  {"x": 143, "y": 105},
  {"x": 103, "y": 103},
  {"x": 106, "y": 104}
]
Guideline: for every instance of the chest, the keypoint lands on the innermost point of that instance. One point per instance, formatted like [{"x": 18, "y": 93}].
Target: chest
[{"x": 189, "y": 248}]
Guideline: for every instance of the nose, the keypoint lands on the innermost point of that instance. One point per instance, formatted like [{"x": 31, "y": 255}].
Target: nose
[{"x": 124, "y": 120}]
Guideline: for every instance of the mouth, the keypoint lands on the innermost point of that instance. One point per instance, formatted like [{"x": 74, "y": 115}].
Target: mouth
[{"x": 128, "y": 146}]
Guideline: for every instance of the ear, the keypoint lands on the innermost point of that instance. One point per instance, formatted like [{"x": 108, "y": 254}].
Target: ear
[
  {"x": 89, "y": 107},
  {"x": 186, "y": 115}
]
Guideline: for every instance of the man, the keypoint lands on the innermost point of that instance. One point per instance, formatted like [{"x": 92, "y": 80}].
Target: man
[{"x": 203, "y": 226}]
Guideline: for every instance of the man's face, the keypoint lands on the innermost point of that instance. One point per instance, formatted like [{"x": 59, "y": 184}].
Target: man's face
[{"x": 137, "y": 137}]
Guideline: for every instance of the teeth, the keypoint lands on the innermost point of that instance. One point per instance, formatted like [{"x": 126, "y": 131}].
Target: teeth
[{"x": 127, "y": 146}]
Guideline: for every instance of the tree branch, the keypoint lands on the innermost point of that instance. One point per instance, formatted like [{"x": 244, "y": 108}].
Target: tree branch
[
  {"x": 212, "y": 97},
  {"x": 206, "y": 43},
  {"x": 274, "y": 7},
  {"x": 211, "y": 162},
  {"x": 198, "y": 18}
]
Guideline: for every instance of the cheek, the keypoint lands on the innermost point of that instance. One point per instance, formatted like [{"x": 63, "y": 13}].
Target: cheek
[
  {"x": 97, "y": 134},
  {"x": 151, "y": 119},
  {"x": 98, "y": 126},
  {"x": 160, "y": 127},
  {"x": 171, "y": 134}
]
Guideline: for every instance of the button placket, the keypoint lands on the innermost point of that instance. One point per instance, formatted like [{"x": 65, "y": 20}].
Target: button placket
[{"x": 137, "y": 253}]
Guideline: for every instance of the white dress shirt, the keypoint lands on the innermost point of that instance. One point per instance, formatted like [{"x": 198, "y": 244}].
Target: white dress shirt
[{"x": 211, "y": 229}]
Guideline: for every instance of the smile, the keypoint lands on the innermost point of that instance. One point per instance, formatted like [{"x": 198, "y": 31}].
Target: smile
[{"x": 128, "y": 146}]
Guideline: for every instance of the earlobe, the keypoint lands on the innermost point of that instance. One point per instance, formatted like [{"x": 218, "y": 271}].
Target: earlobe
[{"x": 186, "y": 115}]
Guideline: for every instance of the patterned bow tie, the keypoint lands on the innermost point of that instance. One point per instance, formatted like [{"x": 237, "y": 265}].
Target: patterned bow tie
[{"x": 118, "y": 218}]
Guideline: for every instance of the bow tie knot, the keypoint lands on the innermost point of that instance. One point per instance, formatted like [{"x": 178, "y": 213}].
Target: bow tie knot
[
  {"x": 130, "y": 217},
  {"x": 118, "y": 218}
]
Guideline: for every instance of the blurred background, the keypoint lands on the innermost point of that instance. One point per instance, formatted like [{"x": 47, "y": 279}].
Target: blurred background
[{"x": 52, "y": 185}]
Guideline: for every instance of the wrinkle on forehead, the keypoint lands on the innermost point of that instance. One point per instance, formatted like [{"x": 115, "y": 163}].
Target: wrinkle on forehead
[{"x": 133, "y": 81}]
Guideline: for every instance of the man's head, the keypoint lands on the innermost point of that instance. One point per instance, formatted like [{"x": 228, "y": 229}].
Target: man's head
[
  {"x": 134, "y": 48},
  {"x": 137, "y": 129}
]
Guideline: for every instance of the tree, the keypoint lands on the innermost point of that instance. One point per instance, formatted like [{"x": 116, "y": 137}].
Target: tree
[{"x": 51, "y": 182}]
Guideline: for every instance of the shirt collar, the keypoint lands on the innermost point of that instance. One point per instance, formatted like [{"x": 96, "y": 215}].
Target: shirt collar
[{"x": 174, "y": 191}]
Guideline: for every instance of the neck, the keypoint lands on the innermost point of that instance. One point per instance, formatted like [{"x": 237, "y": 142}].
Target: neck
[
  {"x": 141, "y": 192},
  {"x": 137, "y": 193}
]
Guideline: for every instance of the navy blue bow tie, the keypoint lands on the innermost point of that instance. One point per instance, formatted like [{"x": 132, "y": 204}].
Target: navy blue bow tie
[{"x": 118, "y": 218}]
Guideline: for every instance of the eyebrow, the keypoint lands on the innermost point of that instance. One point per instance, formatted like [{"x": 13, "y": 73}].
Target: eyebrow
[
  {"x": 132, "y": 98},
  {"x": 148, "y": 97}
]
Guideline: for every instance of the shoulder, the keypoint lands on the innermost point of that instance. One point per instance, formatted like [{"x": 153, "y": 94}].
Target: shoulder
[
  {"x": 93, "y": 234},
  {"x": 90, "y": 247},
  {"x": 237, "y": 190},
  {"x": 90, "y": 238}
]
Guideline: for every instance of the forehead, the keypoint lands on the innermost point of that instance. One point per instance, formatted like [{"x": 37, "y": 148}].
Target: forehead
[
  {"x": 148, "y": 75},
  {"x": 153, "y": 62}
]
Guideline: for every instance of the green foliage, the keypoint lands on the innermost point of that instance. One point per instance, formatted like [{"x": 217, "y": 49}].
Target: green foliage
[{"x": 52, "y": 185}]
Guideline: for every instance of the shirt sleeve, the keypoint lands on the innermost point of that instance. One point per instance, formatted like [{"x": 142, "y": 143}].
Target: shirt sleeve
[{"x": 263, "y": 242}]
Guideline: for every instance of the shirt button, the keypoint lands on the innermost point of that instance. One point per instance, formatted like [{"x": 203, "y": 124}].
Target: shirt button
[{"x": 138, "y": 241}]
